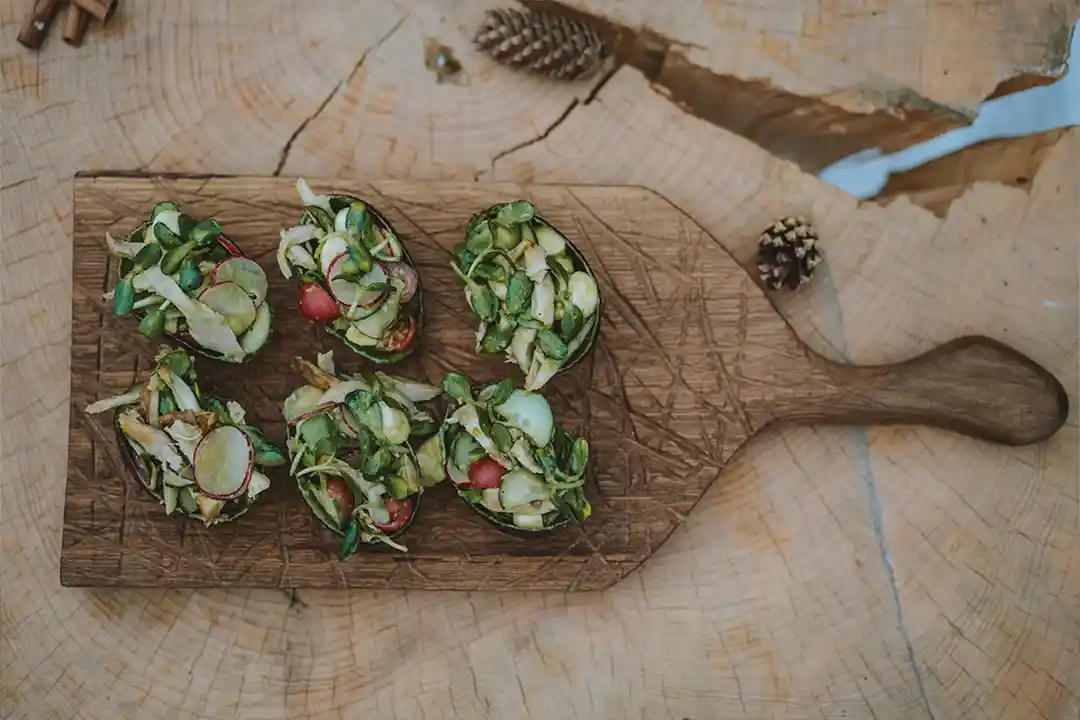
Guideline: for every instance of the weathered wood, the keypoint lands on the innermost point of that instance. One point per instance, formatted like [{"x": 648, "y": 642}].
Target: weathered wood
[{"x": 692, "y": 360}]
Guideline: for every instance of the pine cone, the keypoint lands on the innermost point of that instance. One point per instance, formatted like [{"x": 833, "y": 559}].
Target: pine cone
[
  {"x": 541, "y": 43},
  {"x": 787, "y": 253}
]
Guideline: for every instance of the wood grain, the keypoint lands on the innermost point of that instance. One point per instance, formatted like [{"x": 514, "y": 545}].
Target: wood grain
[
  {"x": 892, "y": 573},
  {"x": 692, "y": 361}
]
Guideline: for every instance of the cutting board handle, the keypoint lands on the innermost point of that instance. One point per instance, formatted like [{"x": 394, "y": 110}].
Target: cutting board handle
[{"x": 973, "y": 385}]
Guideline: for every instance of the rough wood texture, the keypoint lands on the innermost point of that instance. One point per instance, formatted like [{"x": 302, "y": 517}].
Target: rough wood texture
[
  {"x": 692, "y": 361},
  {"x": 836, "y": 572}
]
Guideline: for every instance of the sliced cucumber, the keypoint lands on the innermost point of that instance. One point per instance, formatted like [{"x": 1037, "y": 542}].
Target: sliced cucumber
[
  {"x": 464, "y": 447},
  {"x": 173, "y": 480},
  {"x": 259, "y": 333},
  {"x": 551, "y": 240},
  {"x": 224, "y": 461},
  {"x": 170, "y": 495},
  {"x": 187, "y": 500},
  {"x": 457, "y": 475},
  {"x": 530, "y": 413},
  {"x": 529, "y": 522},
  {"x": 353, "y": 294},
  {"x": 375, "y": 324},
  {"x": 358, "y": 338},
  {"x": 521, "y": 488},
  {"x": 246, "y": 273},
  {"x": 490, "y": 500},
  {"x": 429, "y": 457},
  {"x": 229, "y": 300}
]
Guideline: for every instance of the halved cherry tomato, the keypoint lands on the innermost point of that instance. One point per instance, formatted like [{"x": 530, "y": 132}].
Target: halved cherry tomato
[
  {"x": 400, "y": 336},
  {"x": 486, "y": 473},
  {"x": 339, "y": 490},
  {"x": 400, "y": 512},
  {"x": 317, "y": 305},
  {"x": 405, "y": 273}
]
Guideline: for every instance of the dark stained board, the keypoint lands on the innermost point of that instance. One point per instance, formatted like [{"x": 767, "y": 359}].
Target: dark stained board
[{"x": 693, "y": 360}]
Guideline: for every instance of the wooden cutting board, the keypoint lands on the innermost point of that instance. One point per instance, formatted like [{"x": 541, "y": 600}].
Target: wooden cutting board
[{"x": 693, "y": 360}]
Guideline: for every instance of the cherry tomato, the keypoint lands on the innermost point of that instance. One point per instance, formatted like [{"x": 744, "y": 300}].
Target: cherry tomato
[
  {"x": 406, "y": 274},
  {"x": 339, "y": 490},
  {"x": 486, "y": 473},
  {"x": 401, "y": 336},
  {"x": 317, "y": 305},
  {"x": 400, "y": 512}
]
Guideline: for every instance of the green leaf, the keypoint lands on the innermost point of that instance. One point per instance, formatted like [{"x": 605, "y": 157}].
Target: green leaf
[
  {"x": 502, "y": 437},
  {"x": 320, "y": 217},
  {"x": 518, "y": 293},
  {"x": 497, "y": 338},
  {"x": 464, "y": 256},
  {"x": 473, "y": 496},
  {"x": 484, "y": 420},
  {"x": 562, "y": 279},
  {"x": 205, "y": 232},
  {"x": 190, "y": 277},
  {"x": 165, "y": 236},
  {"x": 375, "y": 464},
  {"x": 520, "y": 211},
  {"x": 562, "y": 444},
  {"x": 355, "y": 219},
  {"x": 152, "y": 326},
  {"x": 217, "y": 407},
  {"x": 123, "y": 297},
  {"x": 185, "y": 223},
  {"x": 546, "y": 461},
  {"x": 351, "y": 541},
  {"x": 558, "y": 499},
  {"x": 171, "y": 262},
  {"x": 318, "y": 428},
  {"x": 147, "y": 257},
  {"x": 527, "y": 321},
  {"x": 502, "y": 392},
  {"x": 178, "y": 361},
  {"x": 491, "y": 272},
  {"x": 166, "y": 404},
  {"x": 359, "y": 401},
  {"x": 266, "y": 453},
  {"x": 507, "y": 238},
  {"x": 484, "y": 302},
  {"x": 551, "y": 344},
  {"x": 579, "y": 456},
  {"x": 458, "y": 386},
  {"x": 479, "y": 239},
  {"x": 571, "y": 323},
  {"x": 167, "y": 206},
  {"x": 421, "y": 428}
]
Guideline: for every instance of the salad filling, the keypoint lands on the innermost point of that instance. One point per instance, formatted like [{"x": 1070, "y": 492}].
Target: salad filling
[
  {"x": 184, "y": 279},
  {"x": 350, "y": 441},
  {"x": 356, "y": 278},
  {"x": 196, "y": 453},
  {"x": 535, "y": 295},
  {"x": 508, "y": 459}
]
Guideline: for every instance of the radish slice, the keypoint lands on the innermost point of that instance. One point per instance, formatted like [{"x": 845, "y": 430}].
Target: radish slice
[
  {"x": 333, "y": 247},
  {"x": 407, "y": 274},
  {"x": 229, "y": 247},
  {"x": 230, "y": 300},
  {"x": 244, "y": 272},
  {"x": 351, "y": 293},
  {"x": 259, "y": 332},
  {"x": 224, "y": 461}
]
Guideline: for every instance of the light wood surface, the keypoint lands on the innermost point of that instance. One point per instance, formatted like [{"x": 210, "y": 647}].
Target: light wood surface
[
  {"x": 888, "y": 573},
  {"x": 691, "y": 363}
]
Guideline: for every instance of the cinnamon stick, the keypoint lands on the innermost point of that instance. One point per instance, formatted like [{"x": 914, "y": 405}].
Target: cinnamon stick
[
  {"x": 103, "y": 11},
  {"x": 75, "y": 25},
  {"x": 36, "y": 25}
]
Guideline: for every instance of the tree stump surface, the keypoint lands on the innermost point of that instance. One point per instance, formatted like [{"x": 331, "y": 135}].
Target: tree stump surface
[{"x": 890, "y": 572}]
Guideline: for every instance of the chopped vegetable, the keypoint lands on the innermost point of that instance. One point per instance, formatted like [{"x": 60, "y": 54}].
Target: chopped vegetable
[
  {"x": 508, "y": 459},
  {"x": 192, "y": 450},
  {"x": 355, "y": 277},
  {"x": 349, "y": 442},
  {"x": 185, "y": 279},
  {"x": 535, "y": 296}
]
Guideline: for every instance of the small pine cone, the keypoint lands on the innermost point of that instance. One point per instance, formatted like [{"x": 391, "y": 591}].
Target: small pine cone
[
  {"x": 541, "y": 43},
  {"x": 787, "y": 253}
]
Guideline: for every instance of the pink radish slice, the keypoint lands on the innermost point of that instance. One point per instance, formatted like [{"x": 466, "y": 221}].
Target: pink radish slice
[
  {"x": 406, "y": 274},
  {"x": 229, "y": 247},
  {"x": 224, "y": 461},
  {"x": 312, "y": 413},
  {"x": 348, "y": 292},
  {"x": 230, "y": 300},
  {"x": 244, "y": 272}
]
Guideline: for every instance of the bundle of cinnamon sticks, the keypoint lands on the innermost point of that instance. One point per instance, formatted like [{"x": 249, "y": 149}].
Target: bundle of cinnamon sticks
[{"x": 79, "y": 13}]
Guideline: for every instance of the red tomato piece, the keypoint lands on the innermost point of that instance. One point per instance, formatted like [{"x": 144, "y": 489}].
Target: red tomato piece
[
  {"x": 406, "y": 274},
  {"x": 317, "y": 305},
  {"x": 400, "y": 512},
  {"x": 486, "y": 473},
  {"x": 339, "y": 490},
  {"x": 400, "y": 336}
]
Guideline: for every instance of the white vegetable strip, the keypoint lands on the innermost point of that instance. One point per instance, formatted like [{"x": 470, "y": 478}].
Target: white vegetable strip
[
  {"x": 207, "y": 327},
  {"x": 153, "y": 441},
  {"x": 310, "y": 198},
  {"x": 182, "y": 392},
  {"x": 122, "y": 249},
  {"x": 186, "y": 437},
  {"x": 291, "y": 239},
  {"x": 543, "y": 301},
  {"x": 583, "y": 292},
  {"x": 466, "y": 417},
  {"x": 128, "y": 398},
  {"x": 236, "y": 413}
]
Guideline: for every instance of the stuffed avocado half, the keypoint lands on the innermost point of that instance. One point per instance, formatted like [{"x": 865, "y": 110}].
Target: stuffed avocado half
[
  {"x": 196, "y": 453},
  {"x": 536, "y": 297},
  {"x": 350, "y": 441},
  {"x": 185, "y": 280},
  {"x": 356, "y": 278},
  {"x": 508, "y": 458}
]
